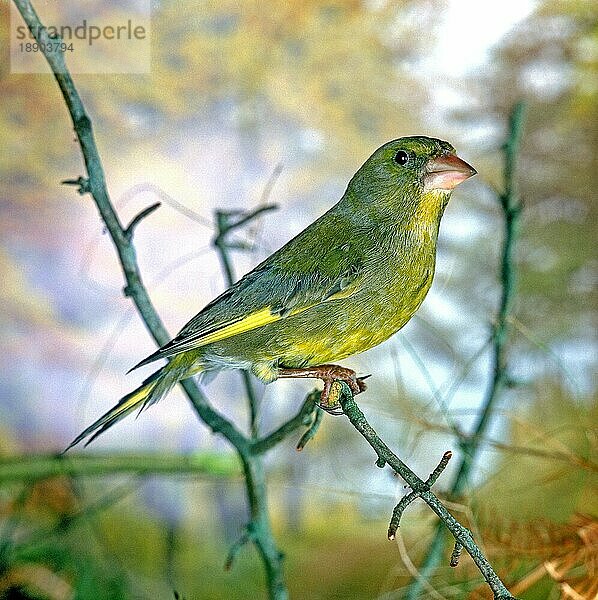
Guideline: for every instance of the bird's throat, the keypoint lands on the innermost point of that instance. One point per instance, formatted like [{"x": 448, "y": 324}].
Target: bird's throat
[{"x": 429, "y": 210}]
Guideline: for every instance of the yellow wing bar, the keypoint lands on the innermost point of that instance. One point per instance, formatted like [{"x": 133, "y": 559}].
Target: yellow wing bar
[{"x": 252, "y": 321}]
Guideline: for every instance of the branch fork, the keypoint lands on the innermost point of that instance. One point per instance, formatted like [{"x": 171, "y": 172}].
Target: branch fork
[{"x": 416, "y": 493}]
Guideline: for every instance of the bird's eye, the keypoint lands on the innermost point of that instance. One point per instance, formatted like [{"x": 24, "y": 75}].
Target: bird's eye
[{"x": 401, "y": 158}]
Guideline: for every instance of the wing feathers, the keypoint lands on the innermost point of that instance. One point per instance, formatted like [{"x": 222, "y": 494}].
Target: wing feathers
[
  {"x": 301, "y": 298},
  {"x": 201, "y": 338},
  {"x": 192, "y": 341}
]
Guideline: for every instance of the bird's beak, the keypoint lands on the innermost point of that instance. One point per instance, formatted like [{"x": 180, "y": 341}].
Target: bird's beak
[{"x": 446, "y": 172}]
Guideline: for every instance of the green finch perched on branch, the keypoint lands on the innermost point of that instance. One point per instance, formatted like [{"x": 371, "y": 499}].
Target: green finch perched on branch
[{"x": 348, "y": 282}]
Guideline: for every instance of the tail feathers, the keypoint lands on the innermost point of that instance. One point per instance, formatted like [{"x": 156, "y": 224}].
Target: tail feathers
[{"x": 139, "y": 398}]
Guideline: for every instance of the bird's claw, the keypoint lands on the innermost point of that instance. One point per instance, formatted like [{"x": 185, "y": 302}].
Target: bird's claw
[
  {"x": 331, "y": 394},
  {"x": 332, "y": 376}
]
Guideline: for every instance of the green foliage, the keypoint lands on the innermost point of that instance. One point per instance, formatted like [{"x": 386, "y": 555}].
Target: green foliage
[{"x": 553, "y": 474}]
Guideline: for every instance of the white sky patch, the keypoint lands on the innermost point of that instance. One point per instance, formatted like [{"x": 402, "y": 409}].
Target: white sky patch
[
  {"x": 469, "y": 29},
  {"x": 444, "y": 310}
]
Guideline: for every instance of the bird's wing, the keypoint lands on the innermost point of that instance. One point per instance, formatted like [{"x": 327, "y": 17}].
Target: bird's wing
[{"x": 273, "y": 291}]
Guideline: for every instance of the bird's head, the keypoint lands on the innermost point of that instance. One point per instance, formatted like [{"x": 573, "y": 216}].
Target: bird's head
[{"x": 409, "y": 172}]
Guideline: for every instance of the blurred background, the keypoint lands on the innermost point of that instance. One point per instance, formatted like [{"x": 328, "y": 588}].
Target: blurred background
[{"x": 281, "y": 102}]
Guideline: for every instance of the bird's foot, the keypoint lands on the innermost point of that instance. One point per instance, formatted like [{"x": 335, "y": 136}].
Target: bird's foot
[{"x": 330, "y": 396}]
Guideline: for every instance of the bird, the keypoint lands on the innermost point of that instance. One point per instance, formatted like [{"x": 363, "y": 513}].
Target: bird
[{"x": 346, "y": 283}]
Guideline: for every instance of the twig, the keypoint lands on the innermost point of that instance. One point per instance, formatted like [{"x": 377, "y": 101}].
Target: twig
[
  {"x": 243, "y": 217},
  {"x": 227, "y": 221},
  {"x": 421, "y": 489},
  {"x": 456, "y": 554},
  {"x": 470, "y": 446},
  {"x": 244, "y": 539},
  {"x": 302, "y": 418},
  {"x": 139, "y": 217},
  {"x": 512, "y": 208},
  {"x": 258, "y": 529},
  {"x": 313, "y": 429},
  {"x": 409, "y": 498}
]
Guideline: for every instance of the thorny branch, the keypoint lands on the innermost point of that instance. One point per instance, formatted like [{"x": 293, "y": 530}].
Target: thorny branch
[
  {"x": 95, "y": 184},
  {"x": 421, "y": 489}
]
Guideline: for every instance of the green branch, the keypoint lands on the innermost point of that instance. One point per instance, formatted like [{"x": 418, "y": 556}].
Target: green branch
[
  {"x": 511, "y": 205},
  {"x": 95, "y": 184},
  {"x": 33, "y": 467},
  {"x": 421, "y": 489},
  {"x": 259, "y": 528},
  {"x": 227, "y": 221},
  {"x": 308, "y": 415},
  {"x": 470, "y": 445}
]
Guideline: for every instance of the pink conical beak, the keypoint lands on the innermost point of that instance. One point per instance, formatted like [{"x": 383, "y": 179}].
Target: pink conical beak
[{"x": 446, "y": 172}]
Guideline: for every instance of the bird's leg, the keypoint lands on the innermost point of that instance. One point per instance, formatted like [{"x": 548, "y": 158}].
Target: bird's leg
[{"x": 328, "y": 374}]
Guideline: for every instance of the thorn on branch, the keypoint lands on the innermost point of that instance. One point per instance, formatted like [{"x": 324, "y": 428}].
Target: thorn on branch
[
  {"x": 312, "y": 430},
  {"x": 138, "y": 218},
  {"x": 456, "y": 555},
  {"x": 245, "y": 537},
  {"x": 397, "y": 513},
  {"x": 82, "y": 182}
]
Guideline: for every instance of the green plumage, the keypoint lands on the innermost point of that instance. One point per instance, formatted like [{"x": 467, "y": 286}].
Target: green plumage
[{"x": 343, "y": 285}]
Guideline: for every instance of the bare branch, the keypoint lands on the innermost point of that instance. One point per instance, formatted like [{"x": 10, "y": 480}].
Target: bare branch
[
  {"x": 421, "y": 489},
  {"x": 95, "y": 184}
]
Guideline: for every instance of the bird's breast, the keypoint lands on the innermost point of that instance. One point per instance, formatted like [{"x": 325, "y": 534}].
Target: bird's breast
[{"x": 347, "y": 326}]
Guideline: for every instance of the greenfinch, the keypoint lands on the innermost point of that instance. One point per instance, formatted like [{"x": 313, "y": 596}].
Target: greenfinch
[{"x": 346, "y": 283}]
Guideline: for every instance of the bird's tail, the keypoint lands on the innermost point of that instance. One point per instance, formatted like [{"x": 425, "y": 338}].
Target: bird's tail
[{"x": 149, "y": 392}]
